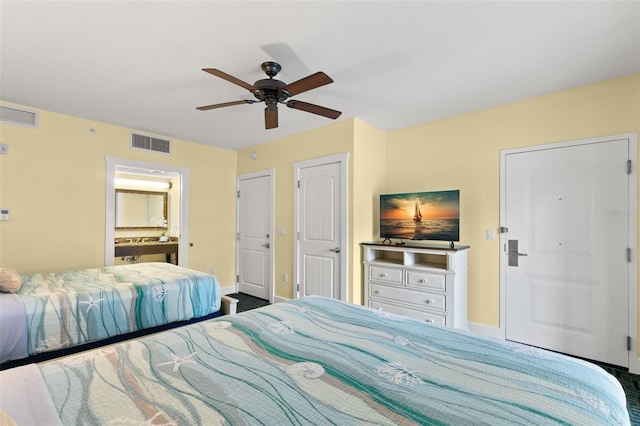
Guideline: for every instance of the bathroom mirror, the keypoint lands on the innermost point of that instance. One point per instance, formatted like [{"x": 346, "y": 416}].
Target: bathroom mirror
[{"x": 140, "y": 209}]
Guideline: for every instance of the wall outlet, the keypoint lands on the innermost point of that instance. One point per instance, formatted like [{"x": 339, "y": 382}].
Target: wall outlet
[
  {"x": 4, "y": 149},
  {"x": 210, "y": 271},
  {"x": 490, "y": 234},
  {"x": 285, "y": 277}
]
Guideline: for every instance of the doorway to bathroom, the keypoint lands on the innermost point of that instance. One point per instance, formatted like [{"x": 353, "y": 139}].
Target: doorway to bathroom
[{"x": 179, "y": 227}]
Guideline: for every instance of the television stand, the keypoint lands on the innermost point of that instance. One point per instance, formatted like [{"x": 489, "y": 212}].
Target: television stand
[{"x": 420, "y": 281}]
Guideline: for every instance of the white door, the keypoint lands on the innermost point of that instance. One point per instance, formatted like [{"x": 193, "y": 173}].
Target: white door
[
  {"x": 255, "y": 240},
  {"x": 567, "y": 274},
  {"x": 321, "y": 228}
]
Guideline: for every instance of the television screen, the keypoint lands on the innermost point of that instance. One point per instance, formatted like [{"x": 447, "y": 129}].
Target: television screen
[{"x": 421, "y": 216}]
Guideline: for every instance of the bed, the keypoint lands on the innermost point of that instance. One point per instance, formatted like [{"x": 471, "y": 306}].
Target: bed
[
  {"x": 314, "y": 361},
  {"x": 54, "y": 311}
]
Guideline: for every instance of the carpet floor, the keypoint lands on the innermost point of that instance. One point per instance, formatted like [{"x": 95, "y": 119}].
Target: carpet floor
[
  {"x": 247, "y": 302},
  {"x": 631, "y": 385}
]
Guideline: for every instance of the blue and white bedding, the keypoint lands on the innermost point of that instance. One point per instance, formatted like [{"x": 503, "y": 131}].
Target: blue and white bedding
[
  {"x": 66, "y": 309},
  {"x": 321, "y": 361}
]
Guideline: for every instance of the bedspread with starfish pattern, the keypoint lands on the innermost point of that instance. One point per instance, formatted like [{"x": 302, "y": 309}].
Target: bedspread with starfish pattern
[
  {"x": 66, "y": 309},
  {"x": 321, "y": 361}
]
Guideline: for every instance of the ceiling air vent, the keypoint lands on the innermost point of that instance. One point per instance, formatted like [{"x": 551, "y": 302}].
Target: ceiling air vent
[
  {"x": 150, "y": 143},
  {"x": 18, "y": 117}
]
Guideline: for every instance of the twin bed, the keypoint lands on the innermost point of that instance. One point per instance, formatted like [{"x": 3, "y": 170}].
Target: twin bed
[
  {"x": 313, "y": 361},
  {"x": 58, "y": 311}
]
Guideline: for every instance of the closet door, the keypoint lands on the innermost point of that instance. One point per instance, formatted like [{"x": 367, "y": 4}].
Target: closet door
[{"x": 255, "y": 239}]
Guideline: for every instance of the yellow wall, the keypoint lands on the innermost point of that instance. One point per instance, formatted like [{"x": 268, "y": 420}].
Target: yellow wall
[
  {"x": 369, "y": 180},
  {"x": 280, "y": 154},
  {"x": 53, "y": 182},
  {"x": 463, "y": 153}
]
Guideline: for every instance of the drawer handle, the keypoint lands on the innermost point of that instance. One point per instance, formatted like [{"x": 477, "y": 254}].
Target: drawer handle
[
  {"x": 378, "y": 292},
  {"x": 428, "y": 301},
  {"x": 383, "y": 275},
  {"x": 429, "y": 321},
  {"x": 423, "y": 281}
]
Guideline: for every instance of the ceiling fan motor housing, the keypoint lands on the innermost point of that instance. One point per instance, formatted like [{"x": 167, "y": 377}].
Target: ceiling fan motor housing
[{"x": 270, "y": 88}]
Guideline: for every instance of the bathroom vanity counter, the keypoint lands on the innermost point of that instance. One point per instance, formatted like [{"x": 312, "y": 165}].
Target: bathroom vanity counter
[{"x": 142, "y": 246}]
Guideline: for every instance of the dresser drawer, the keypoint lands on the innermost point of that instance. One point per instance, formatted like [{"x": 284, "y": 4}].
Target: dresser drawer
[
  {"x": 421, "y": 279},
  {"x": 421, "y": 299},
  {"x": 389, "y": 275},
  {"x": 428, "y": 317}
]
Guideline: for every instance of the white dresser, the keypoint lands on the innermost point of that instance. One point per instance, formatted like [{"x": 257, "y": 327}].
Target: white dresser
[{"x": 424, "y": 282}]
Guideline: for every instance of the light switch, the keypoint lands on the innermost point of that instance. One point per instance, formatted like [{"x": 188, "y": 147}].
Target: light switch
[
  {"x": 4, "y": 214},
  {"x": 280, "y": 230}
]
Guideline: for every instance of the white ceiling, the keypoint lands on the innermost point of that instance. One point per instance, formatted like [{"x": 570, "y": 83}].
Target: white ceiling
[{"x": 395, "y": 64}]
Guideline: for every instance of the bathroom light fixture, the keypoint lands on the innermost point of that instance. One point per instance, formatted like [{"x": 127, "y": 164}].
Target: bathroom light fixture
[{"x": 142, "y": 183}]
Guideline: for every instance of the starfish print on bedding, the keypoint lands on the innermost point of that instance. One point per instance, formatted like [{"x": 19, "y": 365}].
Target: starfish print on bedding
[
  {"x": 398, "y": 374},
  {"x": 158, "y": 417},
  {"x": 50, "y": 344},
  {"x": 177, "y": 362},
  {"x": 159, "y": 292},
  {"x": 92, "y": 302},
  {"x": 281, "y": 327},
  {"x": 89, "y": 356}
]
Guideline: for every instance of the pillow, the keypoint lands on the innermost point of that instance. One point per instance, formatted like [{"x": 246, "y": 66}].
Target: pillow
[
  {"x": 10, "y": 280},
  {"x": 6, "y": 420}
]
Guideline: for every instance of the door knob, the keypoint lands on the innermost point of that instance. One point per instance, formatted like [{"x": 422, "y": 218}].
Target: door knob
[
  {"x": 335, "y": 250},
  {"x": 266, "y": 245}
]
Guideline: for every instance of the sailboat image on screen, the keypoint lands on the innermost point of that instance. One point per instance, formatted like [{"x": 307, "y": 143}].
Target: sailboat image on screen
[
  {"x": 430, "y": 216},
  {"x": 417, "y": 215}
]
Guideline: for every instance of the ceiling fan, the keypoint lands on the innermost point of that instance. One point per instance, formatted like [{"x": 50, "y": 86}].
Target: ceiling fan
[{"x": 272, "y": 92}]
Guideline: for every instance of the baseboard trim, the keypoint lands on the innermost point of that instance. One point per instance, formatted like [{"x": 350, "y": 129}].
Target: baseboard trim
[
  {"x": 486, "y": 330},
  {"x": 228, "y": 290},
  {"x": 278, "y": 299}
]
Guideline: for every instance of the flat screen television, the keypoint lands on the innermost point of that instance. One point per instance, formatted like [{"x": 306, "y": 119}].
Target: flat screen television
[{"x": 431, "y": 216}]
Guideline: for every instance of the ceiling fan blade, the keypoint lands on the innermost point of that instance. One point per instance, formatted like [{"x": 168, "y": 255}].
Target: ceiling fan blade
[
  {"x": 310, "y": 82},
  {"x": 270, "y": 118},
  {"x": 226, "y": 104},
  {"x": 230, "y": 78},
  {"x": 314, "y": 109}
]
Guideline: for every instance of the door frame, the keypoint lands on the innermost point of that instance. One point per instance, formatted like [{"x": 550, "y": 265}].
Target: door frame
[
  {"x": 343, "y": 159},
  {"x": 271, "y": 173},
  {"x": 632, "y": 214},
  {"x": 110, "y": 220}
]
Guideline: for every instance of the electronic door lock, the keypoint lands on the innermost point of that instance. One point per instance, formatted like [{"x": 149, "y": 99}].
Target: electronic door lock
[{"x": 512, "y": 252}]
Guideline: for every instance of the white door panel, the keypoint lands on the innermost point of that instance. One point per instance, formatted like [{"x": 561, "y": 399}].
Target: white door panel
[
  {"x": 569, "y": 289},
  {"x": 319, "y": 277},
  {"x": 320, "y": 211},
  {"x": 319, "y": 229},
  {"x": 255, "y": 224}
]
